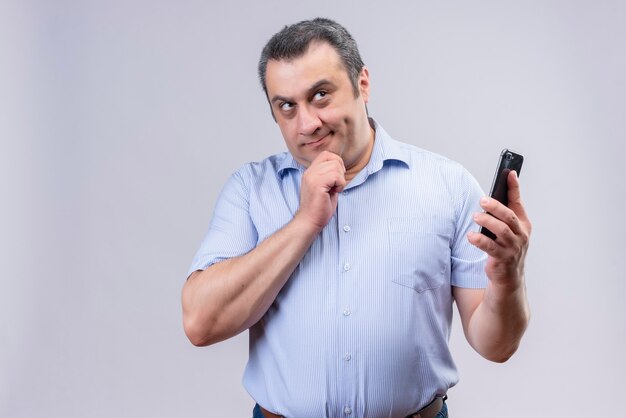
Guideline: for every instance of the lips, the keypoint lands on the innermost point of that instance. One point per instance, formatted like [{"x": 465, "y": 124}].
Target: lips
[{"x": 319, "y": 141}]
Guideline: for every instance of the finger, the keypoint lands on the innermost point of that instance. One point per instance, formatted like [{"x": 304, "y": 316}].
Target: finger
[
  {"x": 319, "y": 166},
  {"x": 328, "y": 156},
  {"x": 339, "y": 182},
  {"x": 329, "y": 175},
  {"x": 330, "y": 167},
  {"x": 505, "y": 237},
  {"x": 515, "y": 196},
  {"x": 502, "y": 213},
  {"x": 327, "y": 163},
  {"x": 485, "y": 243},
  {"x": 513, "y": 187}
]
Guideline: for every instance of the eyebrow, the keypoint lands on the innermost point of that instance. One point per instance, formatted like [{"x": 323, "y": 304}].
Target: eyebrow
[{"x": 310, "y": 90}]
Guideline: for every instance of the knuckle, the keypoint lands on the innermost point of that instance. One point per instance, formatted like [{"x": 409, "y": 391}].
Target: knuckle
[
  {"x": 529, "y": 227},
  {"x": 525, "y": 240},
  {"x": 511, "y": 218}
]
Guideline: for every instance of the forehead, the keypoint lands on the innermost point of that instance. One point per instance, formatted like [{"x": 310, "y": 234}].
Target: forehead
[{"x": 294, "y": 76}]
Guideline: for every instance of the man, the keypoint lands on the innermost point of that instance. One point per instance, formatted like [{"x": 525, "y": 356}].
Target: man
[{"x": 343, "y": 256}]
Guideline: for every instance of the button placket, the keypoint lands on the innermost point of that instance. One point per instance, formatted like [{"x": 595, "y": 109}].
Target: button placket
[{"x": 345, "y": 308}]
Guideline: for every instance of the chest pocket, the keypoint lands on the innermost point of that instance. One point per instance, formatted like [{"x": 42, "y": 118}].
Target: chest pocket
[{"x": 419, "y": 251}]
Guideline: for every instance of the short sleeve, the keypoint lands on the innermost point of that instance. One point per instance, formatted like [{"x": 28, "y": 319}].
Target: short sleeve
[
  {"x": 468, "y": 261},
  {"x": 231, "y": 231}
]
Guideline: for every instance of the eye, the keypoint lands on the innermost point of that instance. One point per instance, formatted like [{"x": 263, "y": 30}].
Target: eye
[
  {"x": 319, "y": 95},
  {"x": 285, "y": 106}
]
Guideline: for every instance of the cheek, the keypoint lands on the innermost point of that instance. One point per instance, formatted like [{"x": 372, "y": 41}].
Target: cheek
[
  {"x": 333, "y": 118},
  {"x": 289, "y": 136},
  {"x": 286, "y": 129}
]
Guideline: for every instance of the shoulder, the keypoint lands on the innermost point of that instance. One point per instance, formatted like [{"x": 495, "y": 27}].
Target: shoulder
[
  {"x": 268, "y": 169},
  {"x": 424, "y": 160},
  {"x": 438, "y": 172}
]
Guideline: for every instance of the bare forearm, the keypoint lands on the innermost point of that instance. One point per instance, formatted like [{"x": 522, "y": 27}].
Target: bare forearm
[
  {"x": 230, "y": 296},
  {"x": 497, "y": 325},
  {"x": 495, "y": 321}
]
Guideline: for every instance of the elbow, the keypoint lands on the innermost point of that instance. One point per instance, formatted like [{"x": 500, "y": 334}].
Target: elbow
[
  {"x": 501, "y": 353},
  {"x": 500, "y": 357},
  {"x": 207, "y": 321},
  {"x": 198, "y": 335},
  {"x": 193, "y": 333},
  {"x": 206, "y": 331},
  {"x": 199, "y": 325},
  {"x": 197, "y": 340}
]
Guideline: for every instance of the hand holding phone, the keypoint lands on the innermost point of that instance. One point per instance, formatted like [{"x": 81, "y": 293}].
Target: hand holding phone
[{"x": 509, "y": 160}]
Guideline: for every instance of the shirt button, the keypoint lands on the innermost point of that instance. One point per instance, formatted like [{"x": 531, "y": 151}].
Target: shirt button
[
  {"x": 346, "y": 312},
  {"x": 347, "y": 357},
  {"x": 346, "y": 228},
  {"x": 346, "y": 266},
  {"x": 347, "y": 410}
]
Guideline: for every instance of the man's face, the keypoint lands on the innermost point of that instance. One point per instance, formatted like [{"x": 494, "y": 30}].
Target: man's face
[{"x": 314, "y": 104}]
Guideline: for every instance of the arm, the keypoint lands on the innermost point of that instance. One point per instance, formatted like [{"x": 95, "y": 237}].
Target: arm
[
  {"x": 495, "y": 319},
  {"x": 230, "y": 296}
]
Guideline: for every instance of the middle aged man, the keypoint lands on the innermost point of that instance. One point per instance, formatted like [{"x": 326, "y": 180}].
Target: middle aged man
[{"x": 344, "y": 255}]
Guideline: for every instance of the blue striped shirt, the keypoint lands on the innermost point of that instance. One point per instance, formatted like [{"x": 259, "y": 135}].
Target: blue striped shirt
[{"x": 361, "y": 328}]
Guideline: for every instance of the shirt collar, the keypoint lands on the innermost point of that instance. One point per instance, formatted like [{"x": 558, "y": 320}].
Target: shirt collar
[
  {"x": 385, "y": 149},
  {"x": 288, "y": 163}
]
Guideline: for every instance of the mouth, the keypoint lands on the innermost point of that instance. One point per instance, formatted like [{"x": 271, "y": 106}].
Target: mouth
[{"x": 318, "y": 142}]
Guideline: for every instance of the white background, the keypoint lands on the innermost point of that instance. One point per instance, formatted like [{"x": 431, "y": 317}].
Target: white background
[{"x": 121, "y": 120}]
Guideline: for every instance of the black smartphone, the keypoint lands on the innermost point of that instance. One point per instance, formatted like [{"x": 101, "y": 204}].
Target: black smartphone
[{"x": 509, "y": 160}]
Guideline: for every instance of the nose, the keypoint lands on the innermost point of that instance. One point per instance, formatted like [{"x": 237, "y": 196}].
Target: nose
[{"x": 308, "y": 121}]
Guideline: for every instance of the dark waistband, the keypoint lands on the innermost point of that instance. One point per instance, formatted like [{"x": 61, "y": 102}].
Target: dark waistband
[{"x": 429, "y": 411}]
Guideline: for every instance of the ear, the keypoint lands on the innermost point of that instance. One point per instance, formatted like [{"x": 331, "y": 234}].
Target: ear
[{"x": 364, "y": 84}]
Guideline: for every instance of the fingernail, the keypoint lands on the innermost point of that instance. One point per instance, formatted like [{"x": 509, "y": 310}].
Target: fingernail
[{"x": 484, "y": 200}]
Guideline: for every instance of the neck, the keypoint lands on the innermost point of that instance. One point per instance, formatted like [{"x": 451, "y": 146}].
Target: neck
[{"x": 364, "y": 158}]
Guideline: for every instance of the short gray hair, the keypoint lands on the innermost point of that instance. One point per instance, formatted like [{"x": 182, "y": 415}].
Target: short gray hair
[{"x": 294, "y": 40}]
